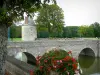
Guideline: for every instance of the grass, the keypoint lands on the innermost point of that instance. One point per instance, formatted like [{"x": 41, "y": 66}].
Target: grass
[
  {"x": 15, "y": 39},
  {"x": 20, "y": 39}
]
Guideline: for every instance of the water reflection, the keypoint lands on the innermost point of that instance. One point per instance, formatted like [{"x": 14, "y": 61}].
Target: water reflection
[
  {"x": 89, "y": 65},
  {"x": 86, "y": 61}
]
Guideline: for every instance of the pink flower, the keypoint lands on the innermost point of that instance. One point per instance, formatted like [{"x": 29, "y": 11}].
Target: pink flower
[
  {"x": 76, "y": 71},
  {"x": 60, "y": 61},
  {"x": 70, "y": 52},
  {"x": 57, "y": 60},
  {"x": 38, "y": 57},
  {"x": 55, "y": 66}
]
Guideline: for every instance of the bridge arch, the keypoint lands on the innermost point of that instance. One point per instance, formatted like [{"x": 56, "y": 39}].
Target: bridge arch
[
  {"x": 86, "y": 58},
  {"x": 26, "y": 57},
  {"x": 87, "y": 52}
]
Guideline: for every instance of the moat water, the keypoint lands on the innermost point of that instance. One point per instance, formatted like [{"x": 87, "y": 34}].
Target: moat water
[{"x": 89, "y": 65}]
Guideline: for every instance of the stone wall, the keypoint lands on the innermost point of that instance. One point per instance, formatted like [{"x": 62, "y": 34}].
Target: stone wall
[
  {"x": 16, "y": 67},
  {"x": 40, "y": 46}
]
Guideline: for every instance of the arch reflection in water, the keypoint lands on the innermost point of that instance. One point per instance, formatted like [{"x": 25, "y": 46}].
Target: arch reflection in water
[{"x": 86, "y": 58}]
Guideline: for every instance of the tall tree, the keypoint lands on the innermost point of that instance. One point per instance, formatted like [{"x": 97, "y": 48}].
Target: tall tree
[
  {"x": 11, "y": 10},
  {"x": 96, "y": 27},
  {"x": 51, "y": 17}
]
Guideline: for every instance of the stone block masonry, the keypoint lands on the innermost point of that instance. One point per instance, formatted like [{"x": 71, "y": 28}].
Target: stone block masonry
[{"x": 40, "y": 46}]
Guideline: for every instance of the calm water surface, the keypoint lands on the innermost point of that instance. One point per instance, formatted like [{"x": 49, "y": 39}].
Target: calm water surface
[{"x": 89, "y": 65}]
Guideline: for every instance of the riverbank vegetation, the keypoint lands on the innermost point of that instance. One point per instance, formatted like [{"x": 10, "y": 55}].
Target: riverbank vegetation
[{"x": 84, "y": 31}]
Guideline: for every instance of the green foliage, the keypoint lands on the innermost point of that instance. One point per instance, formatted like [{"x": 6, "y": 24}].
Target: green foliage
[
  {"x": 12, "y": 10},
  {"x": 86, "y": 31},
  {"x": 42, "y": 33},
  {"x": 96, "y": 27},
  {"x": 51, "y": 17},
  {"x": 16, "y": 39},
  {"x": 90, "y": 32},
  {"x": 15, "y": 32},
  {"x": 70, "y": 31}
]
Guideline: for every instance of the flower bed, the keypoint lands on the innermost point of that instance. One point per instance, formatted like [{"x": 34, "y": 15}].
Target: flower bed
[{"x": 56, "y": 62}]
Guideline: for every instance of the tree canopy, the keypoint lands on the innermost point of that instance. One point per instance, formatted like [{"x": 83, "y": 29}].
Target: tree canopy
[
  {"x": 13, "y": 9},
  {"x": 96, "y": 27},
  {"x": 86, "y": 31},
  {"x": 52, "y": 19}
]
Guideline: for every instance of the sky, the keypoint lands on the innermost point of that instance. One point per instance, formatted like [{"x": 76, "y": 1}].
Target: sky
[{"x": 80, "y": 12}]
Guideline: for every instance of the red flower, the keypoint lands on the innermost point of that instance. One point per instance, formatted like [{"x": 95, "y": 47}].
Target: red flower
[
  {"x": 41, "y": 67},
  {"x": 62, "y": 65},
  {"x": 67, "y": 58},
  {"x": 73, "y": 59},
  {"x": 68, "y": 64},
  {"x": 45, "y": 61},
  {"x": 55, "y": 62},
  {"x": 49, "y": 68},
  {"x": 38, "y": 62},
  {"x": 31, "y": 72},
  {"x": 74, "y": 66},
  {"x": 65, "y": 69},
  {"x": 58, "y": 66}
]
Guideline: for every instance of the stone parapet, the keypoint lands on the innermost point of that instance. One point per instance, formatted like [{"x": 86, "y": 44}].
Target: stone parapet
[
  {"x": 41, "y": 46},
  {"x": 17, "y": 67}
]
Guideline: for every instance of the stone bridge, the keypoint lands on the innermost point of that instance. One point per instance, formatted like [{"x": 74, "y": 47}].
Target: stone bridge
[{"x": 40, "y": 46}]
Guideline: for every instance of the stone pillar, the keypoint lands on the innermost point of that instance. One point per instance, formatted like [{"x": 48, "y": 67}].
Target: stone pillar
[{"x": 29, "y": 32}]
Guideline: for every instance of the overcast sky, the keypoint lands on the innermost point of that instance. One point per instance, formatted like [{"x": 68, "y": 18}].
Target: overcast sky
[{"x": 80, "y": 12}]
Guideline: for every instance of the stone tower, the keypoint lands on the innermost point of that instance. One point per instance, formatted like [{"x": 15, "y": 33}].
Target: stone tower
[{"x": 29, "y": 32}]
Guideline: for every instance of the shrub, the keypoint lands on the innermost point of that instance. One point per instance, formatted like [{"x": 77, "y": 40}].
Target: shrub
[{"x": 58, "y": 61}]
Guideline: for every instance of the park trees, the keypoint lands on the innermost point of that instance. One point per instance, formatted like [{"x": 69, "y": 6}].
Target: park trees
[
  {"x": 96, "y": 28},
  {"x": 70, "y": 31},
  {"x": 12, "y": 10},
  {"x": 86, "y": 31},
  {"x": 51, "y": 18}
]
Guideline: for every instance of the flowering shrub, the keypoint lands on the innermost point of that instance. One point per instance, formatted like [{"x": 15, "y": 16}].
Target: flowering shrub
[{"x": 58, "y": 61}]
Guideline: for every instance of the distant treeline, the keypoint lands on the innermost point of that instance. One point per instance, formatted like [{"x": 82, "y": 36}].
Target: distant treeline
[{"x": 92, "y": 30}]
